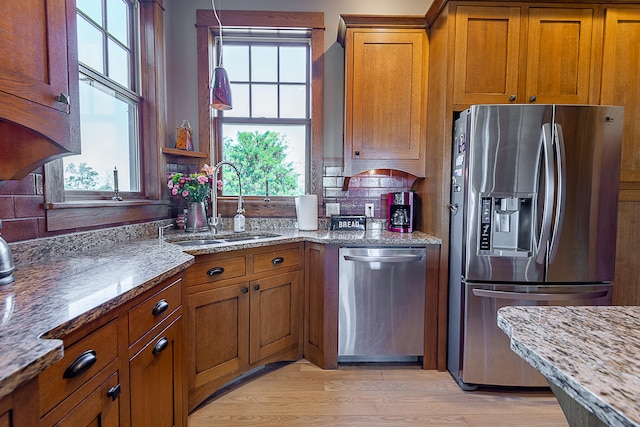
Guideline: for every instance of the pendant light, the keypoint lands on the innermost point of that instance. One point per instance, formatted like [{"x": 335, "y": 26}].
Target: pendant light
[{"x": 220, "y": 93}]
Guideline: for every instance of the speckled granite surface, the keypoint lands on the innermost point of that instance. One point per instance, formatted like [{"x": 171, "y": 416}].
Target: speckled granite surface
[
  {"x": 592, "y": 353},
  {"x": 292, "y": 235},
  {"x": 64, "y": 282}
]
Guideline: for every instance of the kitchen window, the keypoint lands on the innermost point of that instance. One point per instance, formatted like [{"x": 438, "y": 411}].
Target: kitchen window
[
  {"x": 274, "y": 63},
  {"x": 118, "y": 42},
  {"x": 109, "y": 100},
  {"x": 267, "y": 133}
]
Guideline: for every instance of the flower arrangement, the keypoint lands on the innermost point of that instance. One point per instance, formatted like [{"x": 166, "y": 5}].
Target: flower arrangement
[{"x": 194, "y": 187}]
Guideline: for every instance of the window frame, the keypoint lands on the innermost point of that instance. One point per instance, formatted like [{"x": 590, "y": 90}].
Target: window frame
[
  {"x": 210, "y": 127},
  {"x": 95, "y": 209}
]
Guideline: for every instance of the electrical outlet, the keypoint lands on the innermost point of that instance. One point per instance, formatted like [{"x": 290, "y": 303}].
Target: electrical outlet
[
  {"x": 368, "y": 210},
  {"x": 332, "y": 209}
]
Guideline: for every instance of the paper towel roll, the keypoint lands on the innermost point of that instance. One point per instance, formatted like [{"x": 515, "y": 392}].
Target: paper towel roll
[{"x": 307, "y": 211}]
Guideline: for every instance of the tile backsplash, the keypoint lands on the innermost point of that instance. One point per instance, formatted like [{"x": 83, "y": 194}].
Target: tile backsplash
[{"x": 353, "y": 193}]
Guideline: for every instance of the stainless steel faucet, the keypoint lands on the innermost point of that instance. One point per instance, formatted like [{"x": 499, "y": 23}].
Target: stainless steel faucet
[
  {"x": 213, "y": 221},
  {"x": 6, "y": 262}
]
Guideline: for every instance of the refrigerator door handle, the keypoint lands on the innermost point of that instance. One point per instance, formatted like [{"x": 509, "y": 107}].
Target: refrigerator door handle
[
  {"x": 523, "y": 296},
  {"x": 561, "y": 191},
  {"x": 549, "y": 189}
]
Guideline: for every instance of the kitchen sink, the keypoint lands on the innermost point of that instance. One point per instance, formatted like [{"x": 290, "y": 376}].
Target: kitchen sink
[
  {"x": 249, "y": 237},
  {"x": 230, "y": 238},
  {"x": 198, "y": 242}
]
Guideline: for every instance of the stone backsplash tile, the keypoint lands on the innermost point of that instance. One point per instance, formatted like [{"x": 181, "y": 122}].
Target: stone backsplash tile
[{"x": 369, "y": 187}]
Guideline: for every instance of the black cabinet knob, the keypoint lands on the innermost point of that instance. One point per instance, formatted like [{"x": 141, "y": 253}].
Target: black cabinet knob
[
  {"x": 256, "y": 287},
  {"x": 114, "y": 392},
  {"x": 277, "y": 260},
  {"x": 532, "y": 98},
  {"x": 245, "y": 290},
  {"x": 63, "y": 98}
]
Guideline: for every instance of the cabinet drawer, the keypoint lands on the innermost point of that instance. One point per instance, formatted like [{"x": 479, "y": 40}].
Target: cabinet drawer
[
  {"x": 146, "y": 315},
  {"x": 268, "y": 261},
  {"x": 81, "y": 361},
  {"x": 215, "y": 270}
]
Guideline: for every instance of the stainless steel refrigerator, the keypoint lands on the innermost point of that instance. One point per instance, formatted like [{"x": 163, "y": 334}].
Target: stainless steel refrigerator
[{"x": 534, "y": 202}]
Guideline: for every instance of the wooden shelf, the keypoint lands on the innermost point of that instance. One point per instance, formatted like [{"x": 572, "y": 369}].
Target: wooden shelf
[{"x": 184, "y": 153}]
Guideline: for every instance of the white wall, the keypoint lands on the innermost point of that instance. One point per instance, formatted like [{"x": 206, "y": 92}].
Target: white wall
[{"x": 180, "y": 32}]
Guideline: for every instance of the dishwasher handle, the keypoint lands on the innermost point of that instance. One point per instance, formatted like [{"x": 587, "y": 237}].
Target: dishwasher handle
[
  {"x": 395, "y": 258},
  {"x": 522, "y": 296}
]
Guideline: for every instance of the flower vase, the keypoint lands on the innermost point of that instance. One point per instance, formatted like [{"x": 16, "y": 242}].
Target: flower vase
[{"x": 196, "y": 220}]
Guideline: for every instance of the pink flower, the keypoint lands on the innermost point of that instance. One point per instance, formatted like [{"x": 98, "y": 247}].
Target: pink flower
[
  {"x": 219, "y": 185},
  {"x": 202, "y": 179},
  {"x": 174, "y": 191},
  {"x": 185, "y": 193}
]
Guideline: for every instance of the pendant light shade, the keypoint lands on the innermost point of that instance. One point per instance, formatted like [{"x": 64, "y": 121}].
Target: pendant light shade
[
  {"x": 220, "y": 92},
  {"x": 220, "y": 98}
]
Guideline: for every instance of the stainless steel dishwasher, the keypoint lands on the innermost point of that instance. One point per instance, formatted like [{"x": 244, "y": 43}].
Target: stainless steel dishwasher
[{"x": 381, "y": 304}]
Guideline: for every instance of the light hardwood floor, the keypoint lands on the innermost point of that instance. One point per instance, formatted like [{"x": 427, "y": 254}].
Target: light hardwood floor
[{"x": 301, "y": 394}]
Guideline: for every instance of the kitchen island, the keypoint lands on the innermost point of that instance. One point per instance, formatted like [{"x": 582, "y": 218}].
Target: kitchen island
[{"x": 589, "y": 356}]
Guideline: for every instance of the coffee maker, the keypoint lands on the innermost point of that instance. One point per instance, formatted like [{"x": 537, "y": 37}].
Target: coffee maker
[{"x": 401, "y": 211}]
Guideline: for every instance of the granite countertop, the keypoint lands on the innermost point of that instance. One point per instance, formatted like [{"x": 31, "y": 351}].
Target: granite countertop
[
  {"x": 292, "y": 235},
  {"x": 590, "y": 353},
  {"x": 64, "y": 282}
]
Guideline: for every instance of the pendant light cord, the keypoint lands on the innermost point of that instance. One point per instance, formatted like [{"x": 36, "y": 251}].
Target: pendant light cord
[{"x": 215, "y": 13}]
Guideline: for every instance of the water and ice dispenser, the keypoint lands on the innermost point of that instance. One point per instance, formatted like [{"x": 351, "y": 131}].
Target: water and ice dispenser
[{"x": 506, "y": 227}]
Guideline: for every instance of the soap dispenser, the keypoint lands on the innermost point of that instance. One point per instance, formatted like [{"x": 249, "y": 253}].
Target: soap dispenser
[
  {"x": 6, "y": 262},
  {"x": 239, "y": 219}
]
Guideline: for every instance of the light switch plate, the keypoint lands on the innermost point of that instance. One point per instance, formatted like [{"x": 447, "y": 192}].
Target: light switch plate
[
  {"x": 368, "y": 210},
  {"x": 332, "y": 209}
]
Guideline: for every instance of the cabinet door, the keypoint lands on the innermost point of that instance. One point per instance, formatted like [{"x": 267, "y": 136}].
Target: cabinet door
[
  {"x": 385, "y": 100},
  {"x": 38, "y": 84},
  {"x": 559, "y": 55},
  {"x": 217, "y": 334},
  {"x": 99, "y": 408},
  {"x": 487, "y": 45},
  {"x": 620, "y": 71},
  {"x": 275, "y": 305},
  {"x": 156, "y": 376}
]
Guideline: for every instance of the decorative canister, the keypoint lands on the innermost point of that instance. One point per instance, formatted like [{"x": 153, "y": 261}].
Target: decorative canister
[{"x": 196, "y": 219}]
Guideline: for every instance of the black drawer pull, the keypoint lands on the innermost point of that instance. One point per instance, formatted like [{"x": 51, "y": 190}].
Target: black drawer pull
[
  {"x": 162, "y": 344},
  {"x": 215, "y": 271},
  {"x": 160, "y": 307},
  {"x": 114, "y": 392},
  {"x": 81, "y": 365},
  {"x": 245, "y": 290},
  {"x": 256, "y": 287},
  {"x": 277, "y": 260}
]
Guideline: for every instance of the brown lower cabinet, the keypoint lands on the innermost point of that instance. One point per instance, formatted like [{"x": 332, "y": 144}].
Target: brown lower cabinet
[
  {"x": 125, "y": 368},
  {"x": 244, "y": 309},
  {"x": 156, "y": 390}
]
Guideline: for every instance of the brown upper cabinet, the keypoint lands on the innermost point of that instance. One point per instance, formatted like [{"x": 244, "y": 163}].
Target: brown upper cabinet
[
  {"x": 523, "y": 54},
  {"x": 385, "y": 93},
  {"x": 39, "y": 101},
  {"x": 620, "y": 71}
]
